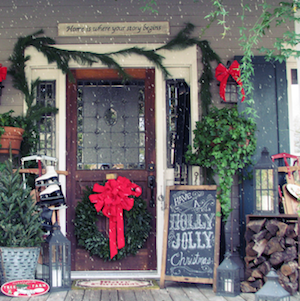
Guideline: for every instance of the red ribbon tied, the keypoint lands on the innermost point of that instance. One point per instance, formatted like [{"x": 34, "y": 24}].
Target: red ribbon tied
[
  {"x": 222, "y": 75},
  {"x": 113, "y": 198},
  {"x": 3, "y": 72}
]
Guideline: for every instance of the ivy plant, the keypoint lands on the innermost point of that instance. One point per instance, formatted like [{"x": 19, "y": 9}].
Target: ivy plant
[{"x": 224, "y": 141}]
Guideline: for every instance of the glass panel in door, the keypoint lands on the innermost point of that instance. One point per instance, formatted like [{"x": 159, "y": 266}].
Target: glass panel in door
[{"x": 110, "y": 125}]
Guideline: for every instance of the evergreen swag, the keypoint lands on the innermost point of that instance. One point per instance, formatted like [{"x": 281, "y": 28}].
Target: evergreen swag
[
  {"x": 137, "y": 228},
  {"x": 20, "y": 224},
  {"x": 63, "y": 57}
]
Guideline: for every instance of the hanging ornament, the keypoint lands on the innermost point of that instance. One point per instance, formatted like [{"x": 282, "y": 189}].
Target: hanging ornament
[
  {"x": 113, "y": 198},
  {"x": 222, "y": 74}
]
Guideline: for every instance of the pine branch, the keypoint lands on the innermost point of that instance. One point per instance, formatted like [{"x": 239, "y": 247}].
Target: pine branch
[
  {"x": 63, "y": 57},
  {"x": 39, "y": 110},
  {"x": 182, "y": 40},
  {"x": 208, "y": 55},
  {"x": 18, "y": 59},
  {"x": 151, "y": 55}
]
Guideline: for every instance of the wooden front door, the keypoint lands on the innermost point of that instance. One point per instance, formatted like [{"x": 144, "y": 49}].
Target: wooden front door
[{"x": 110, "y": 129}]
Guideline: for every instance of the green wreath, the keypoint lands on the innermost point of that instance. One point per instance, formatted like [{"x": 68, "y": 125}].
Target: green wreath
[{"x": 137, "y": 228}]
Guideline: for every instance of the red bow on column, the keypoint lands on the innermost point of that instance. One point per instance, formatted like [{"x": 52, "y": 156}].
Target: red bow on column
[
  {"x": 3, "y": 71},
  {"x": 113, "y": 197},
  {"x": 222, "y": 75}
]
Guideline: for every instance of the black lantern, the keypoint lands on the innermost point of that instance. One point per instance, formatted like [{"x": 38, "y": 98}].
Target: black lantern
[
  {"x": 228, "y": 277},
  {"x": 56, "y": 267},
  {"x": 265, "y": 177},
  {"x": 231, "y": 91},
  {"x": 272, "y": 290}
]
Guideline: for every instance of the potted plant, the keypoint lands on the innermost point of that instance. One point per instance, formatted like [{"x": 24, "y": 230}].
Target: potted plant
[
  {"x": 34, "y": 111},
  {"x": 224, "y": 141},
  {"x": 24, "y": 125},
  {"x": 20, "y": 227},
  {"x": 11, "y": 133}
]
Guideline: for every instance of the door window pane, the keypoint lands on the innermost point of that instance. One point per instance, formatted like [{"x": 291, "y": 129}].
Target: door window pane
[
  {"x": 46, "y": 125},
  {"x": 111, "y": 125}
]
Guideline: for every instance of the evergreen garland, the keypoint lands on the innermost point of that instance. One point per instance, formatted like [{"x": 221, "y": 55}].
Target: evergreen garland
[
  {"x": 34, "y": 112},
  {"x": 137, "y": 228},
  {"x": 208, "y": 55},
  {"x": 63, "y": 57},
  {"x": 20, "y": 224},
  {"x": 182, "y": 40}
]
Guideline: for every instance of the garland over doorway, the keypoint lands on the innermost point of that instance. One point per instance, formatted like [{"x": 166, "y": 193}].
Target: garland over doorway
[{"x": 62, "y": 58}]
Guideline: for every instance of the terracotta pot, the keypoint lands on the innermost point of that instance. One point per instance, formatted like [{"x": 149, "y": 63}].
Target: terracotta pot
[{"x": 12, "y": 137}]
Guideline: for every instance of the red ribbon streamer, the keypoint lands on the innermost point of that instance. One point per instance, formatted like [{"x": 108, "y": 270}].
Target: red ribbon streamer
[
  {"x": 113, "y": 198},
  {"x": 3, "y": 72},
  {"x": 222, "y": 75}
]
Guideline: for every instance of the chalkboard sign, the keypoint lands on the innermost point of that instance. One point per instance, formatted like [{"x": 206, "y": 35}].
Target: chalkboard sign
[{"x": 191, "y": 235}]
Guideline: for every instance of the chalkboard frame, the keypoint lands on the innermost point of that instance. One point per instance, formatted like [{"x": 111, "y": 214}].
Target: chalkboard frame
[{"x": 165, "y": 277}]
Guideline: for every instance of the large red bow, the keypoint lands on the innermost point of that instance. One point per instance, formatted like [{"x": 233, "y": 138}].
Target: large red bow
[
  {"x": 3, "y": 71},
  {"x": 222, "y": 75},
  {"x": 113, "y": 197}
]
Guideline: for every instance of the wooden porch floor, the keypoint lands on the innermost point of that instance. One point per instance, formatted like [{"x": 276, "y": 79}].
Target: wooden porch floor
[{"x": 171, "y": 292}]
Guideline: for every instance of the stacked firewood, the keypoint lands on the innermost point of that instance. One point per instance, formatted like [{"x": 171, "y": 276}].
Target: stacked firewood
[{"x": 271, "y": 243}]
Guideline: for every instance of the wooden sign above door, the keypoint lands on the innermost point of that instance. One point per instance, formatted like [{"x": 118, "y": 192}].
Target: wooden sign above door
[{"x": 113, "y": 29}]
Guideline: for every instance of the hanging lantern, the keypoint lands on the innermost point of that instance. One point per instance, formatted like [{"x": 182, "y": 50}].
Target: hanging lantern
[
  {"x": 272, "y": 290},
  {"x": 228, "y": 277},
  {"x": 265, "y": 177},
  {"x": 56, "y": 266},
  {"x": 231, "y": 91},
  {"x": 229, "y": 78}
]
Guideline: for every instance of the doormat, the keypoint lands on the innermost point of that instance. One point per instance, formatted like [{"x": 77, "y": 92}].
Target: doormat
[{"x": 101, "y": 284}]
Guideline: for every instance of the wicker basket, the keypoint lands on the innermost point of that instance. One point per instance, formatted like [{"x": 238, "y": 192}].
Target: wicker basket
[{"x": 18, "y": 263}]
